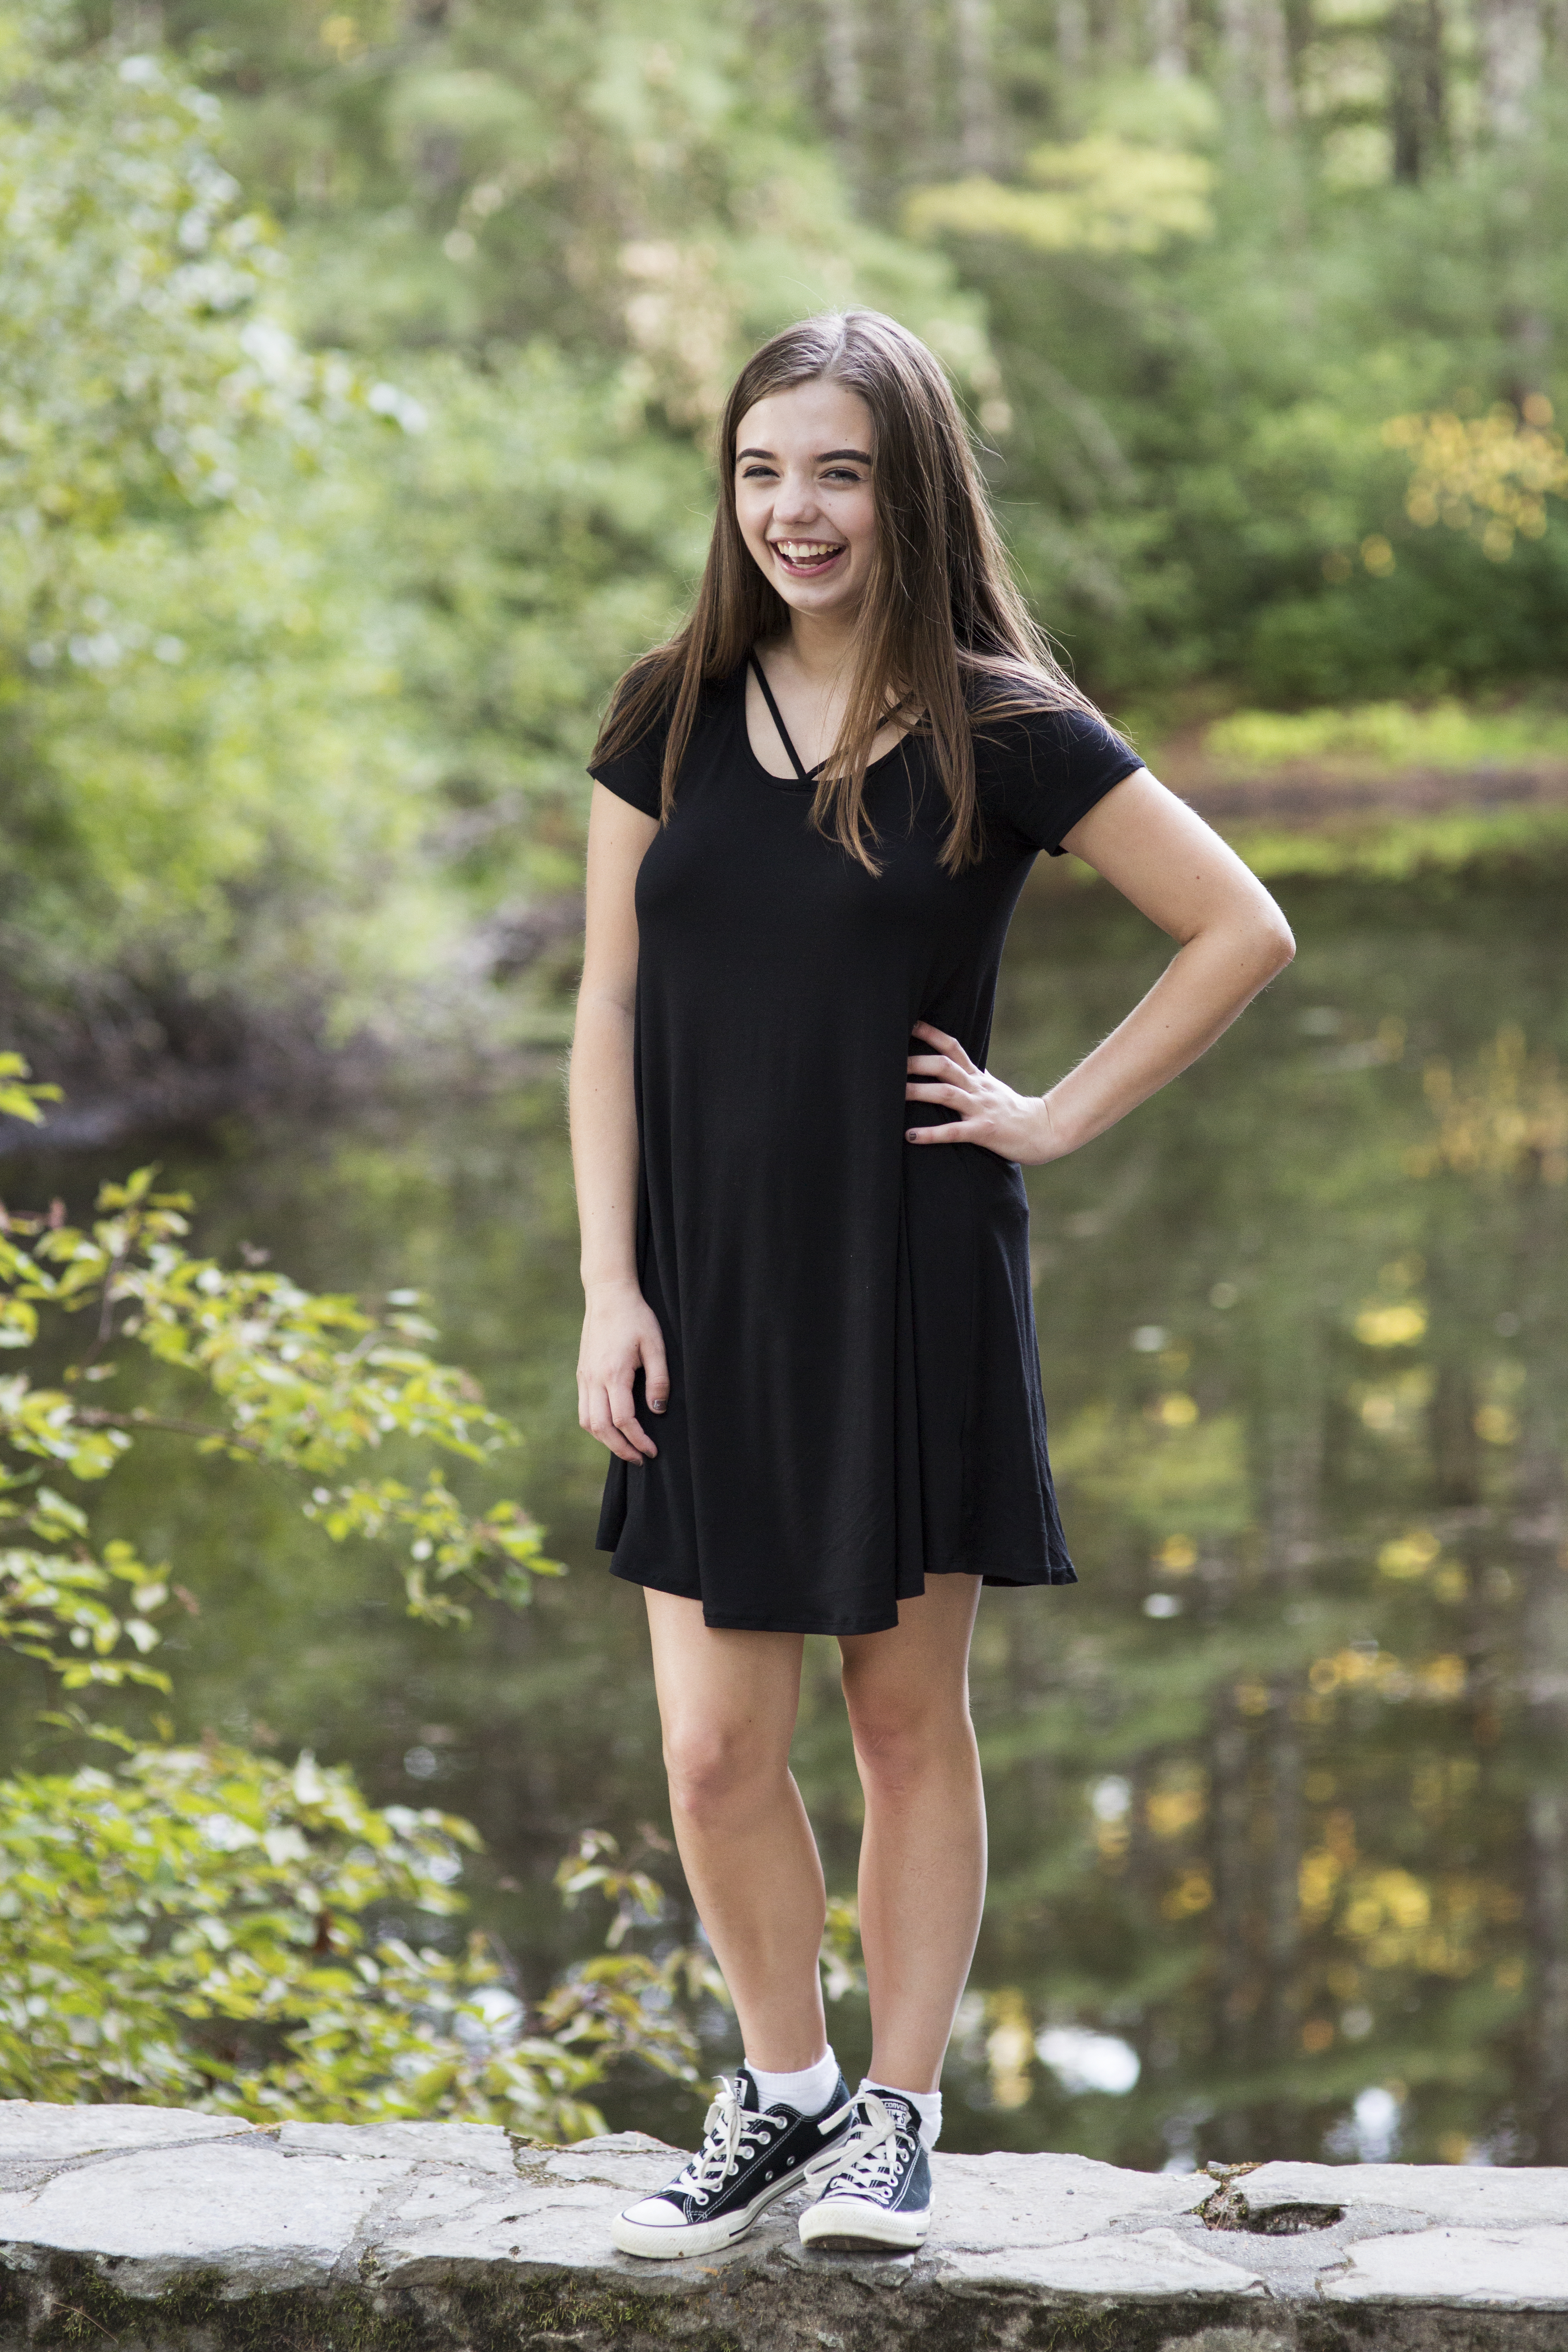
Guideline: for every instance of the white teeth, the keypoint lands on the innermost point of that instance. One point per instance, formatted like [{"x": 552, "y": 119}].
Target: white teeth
[{"x": 806, "y": 550}]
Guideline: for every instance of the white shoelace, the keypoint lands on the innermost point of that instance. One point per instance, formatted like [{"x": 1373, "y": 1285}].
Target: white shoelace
[
  {"x": 866, "y": 2164},
  {"x": 729, "y": 2134}
]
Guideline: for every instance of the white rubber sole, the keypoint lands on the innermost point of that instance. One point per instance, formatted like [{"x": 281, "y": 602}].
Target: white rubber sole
[
  {"x": 845, "y": 2225},
  {"x": 679, "y": 2239}
]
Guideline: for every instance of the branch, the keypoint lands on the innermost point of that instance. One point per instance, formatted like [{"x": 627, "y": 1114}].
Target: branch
[
  {"x": 117, "y": 1265},
  {"x": 94, "y": 1417}
]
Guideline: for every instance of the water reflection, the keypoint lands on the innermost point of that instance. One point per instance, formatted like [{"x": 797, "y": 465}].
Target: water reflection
[{"x": 1279, "y": 1805}]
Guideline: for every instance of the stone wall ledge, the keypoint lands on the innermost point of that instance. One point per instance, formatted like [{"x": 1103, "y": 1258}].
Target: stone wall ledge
[{"x": 154, "y": 2230}]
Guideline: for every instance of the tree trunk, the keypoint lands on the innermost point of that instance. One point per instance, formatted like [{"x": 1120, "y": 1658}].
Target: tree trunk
[
  {"x": 1512, "y": 48},
  {"x": 1548, "y": 1831},
  {"x": 1230, "y": 1811},
  {"x": 1256, "y": 56},
  {"x": 138, "y": 24},
  {"x": 1274, "y": 64},
  {"x": 1416, "y": 92},
  {"x": 1235, "y": 43},
  {"x": 1434, "y": 79},
  {"x": 1539, "y": 1529},
  {"x": 1451, "y": 1432},
  {"x": 919, "y": 87},
  {"x": 1072, "y": 39},
  {"x": 976, "y": 91},
  {"x": 1167, "y": 30},
  {"x": 842, "y": 52},
  {"x": 1295, "y": 1478}
]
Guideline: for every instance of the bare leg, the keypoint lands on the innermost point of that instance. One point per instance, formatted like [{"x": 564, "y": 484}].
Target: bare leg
[
  {"x": 728, "y": 1701},
  {"x": 923, "y": 1853}
]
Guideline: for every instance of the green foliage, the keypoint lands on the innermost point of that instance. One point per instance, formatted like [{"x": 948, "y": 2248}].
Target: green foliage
[
  {"x": 370, "y": 463},
  {"x": 203, "y": 1926},
  {"x": 169, "y": 526},
  {"x": 360, "y": 371},
  {"x": 1445, "y": 734},
  {"x": 300, "y": 1382},
  {"x": 20, "y": 1096},
  {"x": 206, "y": 1929},
  {"x": 641, "y": 188},
  {"x": 1095, "y": 195},
  {"x": 1205, "y": 473},
  {"x": 135, "y": 344}
]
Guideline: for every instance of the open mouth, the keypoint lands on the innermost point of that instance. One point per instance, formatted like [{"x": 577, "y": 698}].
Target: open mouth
[{"x": 807, "y": 559}]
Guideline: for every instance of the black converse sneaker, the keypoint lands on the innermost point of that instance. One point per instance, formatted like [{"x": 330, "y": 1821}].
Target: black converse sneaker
[
  {"x": 750, "y": 2154},
  {"x": 876, "y": 2187}
]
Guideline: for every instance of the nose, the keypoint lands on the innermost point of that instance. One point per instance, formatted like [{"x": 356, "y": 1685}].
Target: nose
[{"x": 797, "y": 499}]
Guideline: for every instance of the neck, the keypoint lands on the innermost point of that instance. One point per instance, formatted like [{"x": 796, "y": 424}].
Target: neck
[{"x": 821, "y": 643}]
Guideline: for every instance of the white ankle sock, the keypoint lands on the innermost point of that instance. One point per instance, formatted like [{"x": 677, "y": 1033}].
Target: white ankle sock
[
  {"x": 806, "y": 2092},
  {"x": 927, "y": 2105}
]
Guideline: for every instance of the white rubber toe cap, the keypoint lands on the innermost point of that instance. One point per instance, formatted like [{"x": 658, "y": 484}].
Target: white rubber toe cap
[{"x": 655, "y": 2213}]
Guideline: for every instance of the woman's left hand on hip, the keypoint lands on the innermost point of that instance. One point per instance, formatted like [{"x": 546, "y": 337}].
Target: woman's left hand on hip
[{"x": 1013, "y": 1126}]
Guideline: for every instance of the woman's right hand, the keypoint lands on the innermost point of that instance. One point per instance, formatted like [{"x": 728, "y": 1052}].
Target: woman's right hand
[{"x": 620, "y": 1332}]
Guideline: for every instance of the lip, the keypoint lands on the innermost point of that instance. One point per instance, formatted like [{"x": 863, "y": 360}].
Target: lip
[{"x": 816, "y": 571}]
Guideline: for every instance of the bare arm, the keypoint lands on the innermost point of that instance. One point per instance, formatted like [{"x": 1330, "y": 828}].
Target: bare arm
[
  {"x": 1232, "y": 939},
  {"x": 620, "y": 1331}
]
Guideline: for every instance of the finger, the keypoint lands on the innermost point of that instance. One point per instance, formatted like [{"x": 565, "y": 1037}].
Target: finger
[
  {"x": 603, "y": 1427},
  {"x": 655, "y": 1374},
  {"x": 608, "y": 1434},
  {"x": 939, "y": 1038},
  {"x": 958, "y": 1097},
  {"x": 936, "y": 1066},
  {"x": 952, "y": 1130},
  {"x": 623, "y": 1412}
]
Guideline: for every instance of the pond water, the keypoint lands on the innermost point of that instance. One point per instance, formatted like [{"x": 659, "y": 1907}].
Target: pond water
[{"x": 1278, "y": 1798}]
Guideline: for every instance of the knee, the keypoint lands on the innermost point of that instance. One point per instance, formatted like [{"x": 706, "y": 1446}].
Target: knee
[
  {"x": 898, "y": 1744},
  {"x": 714, "y": 1772}
]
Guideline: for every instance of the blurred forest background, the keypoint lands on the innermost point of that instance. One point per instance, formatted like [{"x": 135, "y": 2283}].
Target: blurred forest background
[
  {"x": 357, "y": 373},
  {"x": 357, "y": 376}
]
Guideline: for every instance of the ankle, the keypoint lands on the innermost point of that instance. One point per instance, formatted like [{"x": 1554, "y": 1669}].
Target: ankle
[
  {"x": 927, "y": 2106},
  {"x": 807, "y": 2090}
]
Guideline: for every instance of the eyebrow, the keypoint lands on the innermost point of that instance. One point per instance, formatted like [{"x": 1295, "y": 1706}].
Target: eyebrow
[{"x": 861, "y": 457}]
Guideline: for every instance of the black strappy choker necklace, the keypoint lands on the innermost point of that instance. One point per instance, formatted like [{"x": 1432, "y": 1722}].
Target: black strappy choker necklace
[{"x": 805, "y": 774}]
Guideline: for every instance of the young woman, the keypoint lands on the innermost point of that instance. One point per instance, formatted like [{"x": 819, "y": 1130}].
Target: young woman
[{"x": 809, "y": 1339}]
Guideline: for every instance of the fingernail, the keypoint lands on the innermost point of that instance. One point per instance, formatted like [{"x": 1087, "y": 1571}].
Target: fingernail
[
  {"x": 911, "y": 1133},
  {"x": 653, "y": 1407}
]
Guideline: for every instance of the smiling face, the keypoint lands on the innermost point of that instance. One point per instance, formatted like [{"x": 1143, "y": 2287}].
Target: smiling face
[{"x": 803, "y": 496}]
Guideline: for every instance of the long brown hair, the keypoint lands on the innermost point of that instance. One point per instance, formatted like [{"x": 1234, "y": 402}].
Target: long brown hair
[{"x": 942, "y": 636}]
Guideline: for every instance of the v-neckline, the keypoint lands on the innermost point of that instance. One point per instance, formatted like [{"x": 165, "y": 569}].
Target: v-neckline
[
  {"x": 804, "y": 778},
  {"x": 803, "y": 774}
]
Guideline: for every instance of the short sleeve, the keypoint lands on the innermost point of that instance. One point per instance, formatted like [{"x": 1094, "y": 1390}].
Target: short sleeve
[
  {"x": 635, "y": 775},
  {"x": 1043, "y": 771}
]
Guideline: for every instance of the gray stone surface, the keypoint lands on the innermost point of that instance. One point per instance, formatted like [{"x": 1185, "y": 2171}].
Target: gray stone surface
[
  {"x": 1502, "y": 2268},
  {"x": 478, "y": 2148},
  {"x": 267, "y": 2220},
  {"x": 36, "y": 2140},
  {"x": 28, "y": 2129},
  {"x": 1148, "y": 2266},
  {"x": 158, "y": 2231},
  {"x": 1470, "y": 2194}
]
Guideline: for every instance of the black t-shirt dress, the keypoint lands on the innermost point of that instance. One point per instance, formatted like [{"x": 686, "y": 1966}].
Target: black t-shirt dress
[{"x": 855, "y": 1386}]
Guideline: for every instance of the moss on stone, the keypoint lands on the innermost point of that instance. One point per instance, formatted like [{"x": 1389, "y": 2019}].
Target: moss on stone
[{"x": 69, "y": 2304}]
